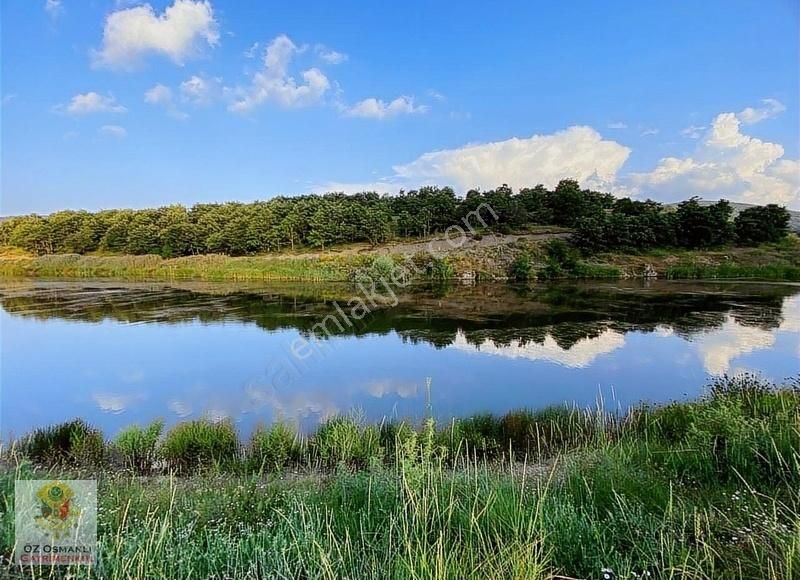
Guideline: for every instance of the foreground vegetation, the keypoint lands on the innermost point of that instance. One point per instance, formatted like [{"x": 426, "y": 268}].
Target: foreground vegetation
[{"x": 707, "y": 489}]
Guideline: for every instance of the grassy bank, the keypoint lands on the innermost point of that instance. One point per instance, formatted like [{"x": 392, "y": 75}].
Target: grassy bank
[
  {"x": 778, "y": 261},
  {"x": 211, "y": 267},
  {"x": 707, "y": 489},
  {"x": 532, "y": 259}
]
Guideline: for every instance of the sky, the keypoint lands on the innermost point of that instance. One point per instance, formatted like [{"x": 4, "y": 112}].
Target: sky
[{"x": 118, "y": 103}]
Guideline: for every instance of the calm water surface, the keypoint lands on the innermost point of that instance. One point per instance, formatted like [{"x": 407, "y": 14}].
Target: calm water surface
[{"x": 120, "y": 353}]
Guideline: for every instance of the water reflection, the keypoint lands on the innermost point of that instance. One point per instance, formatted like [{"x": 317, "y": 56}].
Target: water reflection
[{"x": 120, "y": 353}]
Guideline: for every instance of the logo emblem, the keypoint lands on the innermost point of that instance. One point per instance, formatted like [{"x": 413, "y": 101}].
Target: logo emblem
[{"x": 58, "y": 517}]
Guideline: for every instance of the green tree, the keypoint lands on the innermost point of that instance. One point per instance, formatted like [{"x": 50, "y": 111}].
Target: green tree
[{"x": 760, "y": 224}]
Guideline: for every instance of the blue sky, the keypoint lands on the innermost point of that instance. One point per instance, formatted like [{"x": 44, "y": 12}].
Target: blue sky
[{"x": 126, "y": 104}]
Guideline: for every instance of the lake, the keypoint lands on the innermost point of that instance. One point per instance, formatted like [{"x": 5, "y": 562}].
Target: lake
[{"x": 118, "y": 353}]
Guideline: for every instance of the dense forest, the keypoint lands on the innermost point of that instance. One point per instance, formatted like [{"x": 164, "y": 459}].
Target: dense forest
[{"x": 600, "y": 221}]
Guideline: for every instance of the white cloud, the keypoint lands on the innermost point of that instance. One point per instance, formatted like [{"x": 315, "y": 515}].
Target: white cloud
[
  {"x": 91, "y": 102},
  {"x": 771, "y": 108},
  {"x": 53, "y": 8},
  {"x": 330, "y": 56},
  {"x": 648, "y": 132},
  {"x": 161, "y": 95},
  {"x": 436, "y": 95},
  {"x": 617, "y": 125},
  {"x": 729, "y": 164},
  {"x": 273, "y": 82},
  {"x": 578, "y": 152},
  {"x": 133, "y": 33},
  {"x": 199, "y": 90},
  {"x": 158, "y": 95},
  {"x": 377, "y": 109},
  {"x": 113, "y": 131}
]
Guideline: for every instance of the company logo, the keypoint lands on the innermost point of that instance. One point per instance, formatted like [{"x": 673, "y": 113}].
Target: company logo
[
  {"x": 58, "y": 517},
  {"x": 55, "y": 522}
]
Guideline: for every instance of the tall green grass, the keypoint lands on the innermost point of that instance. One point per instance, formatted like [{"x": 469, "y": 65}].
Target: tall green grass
[
  {"x": 138, "y": 446},
  {"x": 733, "y": 271},
  {"x": 707, "y": 489},
  {"x": 206, "y": 267}
]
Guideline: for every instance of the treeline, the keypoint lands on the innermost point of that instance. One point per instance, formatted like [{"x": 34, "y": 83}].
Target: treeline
[
  {"x": 601, "y": 221},
  {"x": 641, "y": 225}
]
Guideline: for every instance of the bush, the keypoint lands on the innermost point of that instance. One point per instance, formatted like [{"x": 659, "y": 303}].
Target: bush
[
  {"x": 440, "y": 269},
  {"x": 275, "y": 446},
  {"x": 72, "y": 442},
  {"x": 562, "y": 259},
  {"x": 139, "y": 446},
  {"x": 521, "y": 267},
  {"x": 200, "y": 443}
]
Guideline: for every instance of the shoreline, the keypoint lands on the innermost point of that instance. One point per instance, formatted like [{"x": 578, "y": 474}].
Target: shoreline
[
  {"x": 708, "y": 488},
  {"x": 481, "y": 263}
]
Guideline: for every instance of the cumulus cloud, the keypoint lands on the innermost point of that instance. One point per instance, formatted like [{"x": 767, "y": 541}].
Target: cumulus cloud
[
  {"x": 727, "y": 164},
  {"x": 91, "y": 102},
  {"x": 273, "y": 83},
  {"x": 131, "y": 34},
  {"x": 373, "y": 108},
  {"x": 113, "y": 131},
  {"x": 578, "y": 152},
  {"x": 648, "y": 132}
]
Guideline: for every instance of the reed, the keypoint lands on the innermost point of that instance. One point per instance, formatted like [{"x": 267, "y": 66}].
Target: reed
[{"x": 734, "y": 271}]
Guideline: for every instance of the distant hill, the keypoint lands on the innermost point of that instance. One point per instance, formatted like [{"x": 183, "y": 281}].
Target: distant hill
[{"x": 794, "y": 216}]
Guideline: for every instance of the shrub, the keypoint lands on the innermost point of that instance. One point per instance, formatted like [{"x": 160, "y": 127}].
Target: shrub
[
  {"x": 194, "y": 444},
  {"x": 72, "y": 442},
  {"x": 275, "y": 446},
  {"x": 440, "y": 269},
  {"x": 562, "y": 258},
  {"x": 341, "y": 440},
  {"x": 138, "y": 446},
  {"x": 521, "y": 267}
]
